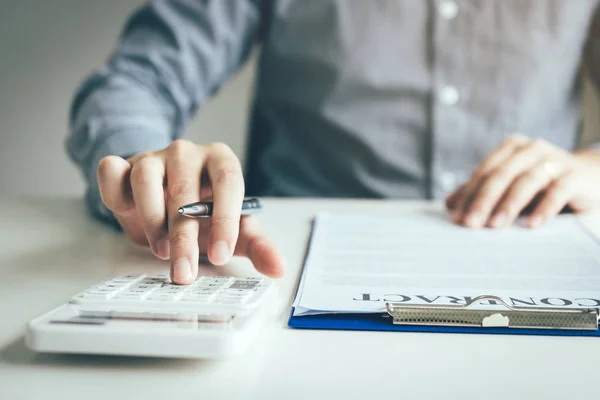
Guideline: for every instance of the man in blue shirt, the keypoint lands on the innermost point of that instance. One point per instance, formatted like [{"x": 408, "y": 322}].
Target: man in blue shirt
[{"x": 381, "y": 98}]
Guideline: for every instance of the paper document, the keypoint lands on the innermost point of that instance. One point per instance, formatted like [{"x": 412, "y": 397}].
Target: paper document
[{"x": 356, "y": 263}]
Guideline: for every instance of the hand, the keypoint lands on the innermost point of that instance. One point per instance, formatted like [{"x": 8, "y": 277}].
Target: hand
[
  {"x": 523, "y": 173},
  {"x": 145, "y": 191}
]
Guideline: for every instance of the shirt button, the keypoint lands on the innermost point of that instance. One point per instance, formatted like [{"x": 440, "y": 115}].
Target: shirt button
[
  {"x": 449, "y": 95},
  {"x": 448, "y": 9},
  {"x": 447, "y": 181}
]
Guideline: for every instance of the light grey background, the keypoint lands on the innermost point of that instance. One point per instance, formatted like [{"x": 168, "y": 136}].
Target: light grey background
[{"x": 46, "y": 49}]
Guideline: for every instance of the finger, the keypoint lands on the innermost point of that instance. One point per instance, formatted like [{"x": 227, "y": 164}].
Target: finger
[
  {"x": 227, "y": 183},
  {"x": 494, "y": 160},
  {"x": 255, "y": 245},
  {"x": 519, "y": 195},
  {"x": 262, "y": 251},
  {"x": 485, "y": 198},
  {"x": 147, "y": 180},
  {"x": 133, "y": 228},
  {"x": 183, "y": 167},
  {"x": 507, "y": 148},
  {"x": 454, "y": 197},
  {"x": 557, "y": 196},
  {"x": 113, "y": 181}
]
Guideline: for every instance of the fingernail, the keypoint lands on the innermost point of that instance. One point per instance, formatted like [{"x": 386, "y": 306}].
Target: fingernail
[
  {"x": 182, "y": 270},
  {"x": 219, "y": 253},
  {"x": 163, "y": 249},
  {"x": 499, "y": 220},
  {"x": 536, "y": 221},
  {"x": 474, "y": 220}
]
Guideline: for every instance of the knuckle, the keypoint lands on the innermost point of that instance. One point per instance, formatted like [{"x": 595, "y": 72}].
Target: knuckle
[
  {"x": 147, "y": 167},
  {"x": 528, "y": 178},
  {"x": 514, "y": 139},
  {"x": 506, "y": 207},
  {"x": 179, "y": 148},
  {"x": 105, "y": 165},
  {"x": 538, "y": 144},
  {"x": 501, "y": 174},
  {"x": 562, "y": 184},
  {"x": 144, "y": 155},
  {"x": 227, "y": 175},
  {"x": 478, "y": 206},
  {"x": 220, "y": 148},
  {"x": 181, "y": 238},
  {"x": 478, "y": 174},
  {"x": 553, "y": 195},
  {"x": 489, "y": 189},
  {"x": 222, "y": 220},
  {"x": 509, "y": 207},
  {"x": 179, "y": 189}
]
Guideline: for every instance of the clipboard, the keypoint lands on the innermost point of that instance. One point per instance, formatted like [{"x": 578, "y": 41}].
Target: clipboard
[
  {"x": 461, "y": 319},
  {"x": 467, "y": 317}
]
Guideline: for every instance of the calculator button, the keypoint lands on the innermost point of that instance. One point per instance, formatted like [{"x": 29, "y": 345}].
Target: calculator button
[
  {"x": 152, "y": 281},
  {"x": 93, "y": 296},
  {"x": 244, "y": 284},
  {"x": 99, "y": 291},
  {"x": 206, "y": 291},
  {"x": 163, "y": 297},
  {"x": 128, "y": 278},
  {"x": 110, "y": 285},
  {"x": 136, "y": 290},
  {"x": 219, "y": 281},
  {"x": 144, "y": 288},
  {"x": 232, "y": 296},
  {"x": 174, "y": 288},
  {"x": 204, "y": 298},
  {"x": 208, "y": 284},
  {"x": 230, "y": 290},
  {"x": 130, "y": 296}
]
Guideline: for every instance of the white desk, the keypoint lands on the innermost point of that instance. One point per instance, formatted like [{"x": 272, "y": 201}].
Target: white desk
[{"x": 50, "y": 250}]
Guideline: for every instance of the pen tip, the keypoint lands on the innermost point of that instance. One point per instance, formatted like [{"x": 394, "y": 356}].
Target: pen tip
[{"x": 180, "y": 210}]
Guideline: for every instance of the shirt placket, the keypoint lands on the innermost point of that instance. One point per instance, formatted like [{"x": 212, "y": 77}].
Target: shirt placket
[{"x": 449, "y": 90}]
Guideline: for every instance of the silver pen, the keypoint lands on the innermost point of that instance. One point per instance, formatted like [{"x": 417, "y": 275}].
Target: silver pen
[{"x": 204, "y": 209}]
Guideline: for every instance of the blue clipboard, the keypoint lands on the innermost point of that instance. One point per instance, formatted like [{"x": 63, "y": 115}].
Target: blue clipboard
[{"x": 383, "y": 322}]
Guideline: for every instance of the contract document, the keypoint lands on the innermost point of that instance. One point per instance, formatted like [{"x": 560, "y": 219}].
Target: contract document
[{"x": 356, "y": 263}]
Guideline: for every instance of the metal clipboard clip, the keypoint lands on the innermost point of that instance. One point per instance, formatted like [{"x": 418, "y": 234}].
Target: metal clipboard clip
[{"x": 461, "y": 315}]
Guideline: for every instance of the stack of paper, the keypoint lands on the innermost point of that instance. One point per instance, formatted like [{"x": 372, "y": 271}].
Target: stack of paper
[{"x": 357, "y": 263}]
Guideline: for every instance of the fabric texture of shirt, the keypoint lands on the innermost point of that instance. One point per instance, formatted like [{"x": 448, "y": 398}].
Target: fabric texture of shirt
[{"x": 353, "y": 98}]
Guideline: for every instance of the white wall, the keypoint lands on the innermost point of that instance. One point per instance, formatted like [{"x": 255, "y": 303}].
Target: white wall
[{"x": 46, "y": 49}]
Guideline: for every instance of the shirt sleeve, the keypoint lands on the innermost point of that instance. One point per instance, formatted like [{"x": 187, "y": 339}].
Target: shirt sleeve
[{"x": 171, "y": 56}]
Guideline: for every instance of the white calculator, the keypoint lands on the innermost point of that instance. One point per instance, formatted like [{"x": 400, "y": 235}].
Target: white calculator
[{"x": 142, "y": 315}]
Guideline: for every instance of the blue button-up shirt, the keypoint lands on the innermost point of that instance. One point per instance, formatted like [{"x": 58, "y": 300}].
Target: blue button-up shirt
[{"x": 353, "y": 98}]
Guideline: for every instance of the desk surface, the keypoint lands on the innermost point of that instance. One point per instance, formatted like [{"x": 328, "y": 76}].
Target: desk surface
[{"x": 54, "y": 251}]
